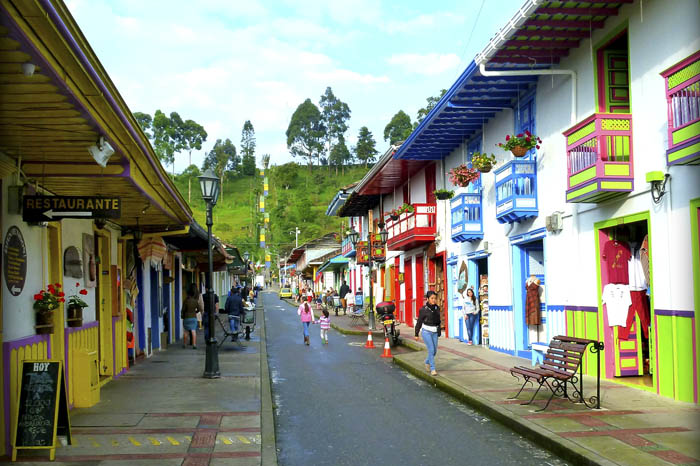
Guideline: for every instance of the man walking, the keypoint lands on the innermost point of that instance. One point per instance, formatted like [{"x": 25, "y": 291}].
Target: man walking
[
  {"x": 234, "y": 309},
  {"x": 344, "y": 289}
]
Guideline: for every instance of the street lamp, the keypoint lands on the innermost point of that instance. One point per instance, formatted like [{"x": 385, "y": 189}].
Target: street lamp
[
  {"x": 209, "y": 184},
  {"x": 296, "y": 236},
  {"x": 354, "y": 237},
  {"x": 246, "y": 257}
]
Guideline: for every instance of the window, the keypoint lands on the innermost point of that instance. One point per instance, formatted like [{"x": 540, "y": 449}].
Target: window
[
  {"x": 472, "y": 147},
  {"x": 613, "y": 75}
]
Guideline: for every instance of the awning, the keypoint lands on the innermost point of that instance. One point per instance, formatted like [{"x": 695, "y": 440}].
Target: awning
[{"x": 337, "y": 263}]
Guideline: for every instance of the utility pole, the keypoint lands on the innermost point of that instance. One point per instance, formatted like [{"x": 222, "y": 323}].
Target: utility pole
[{"x": 296, "y": 236}]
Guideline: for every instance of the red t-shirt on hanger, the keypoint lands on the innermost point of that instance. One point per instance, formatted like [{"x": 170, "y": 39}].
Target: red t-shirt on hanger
[{"x": 616, "y": 254}]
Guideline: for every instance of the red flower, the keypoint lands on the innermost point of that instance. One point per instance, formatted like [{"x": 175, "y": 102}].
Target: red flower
[
  {"x": 528, "y": 139},
  {"x": 37, "y": 297},
  {"x": 77, "y": 285},
  {"x": 500, "y": 144},
  {"x": 539, "y": 140},
  {"x": 528, "y": 133},
  {"x": 57, "y": 285},
  {"x": 62, "y": 300},
  {"x": 61, "y": 294},
  {"x": 507, "y": 137},
  {"x": 537, "y": 147},
  {"x": 520, "y": 135},
  {"x": 83, "y": 292}
]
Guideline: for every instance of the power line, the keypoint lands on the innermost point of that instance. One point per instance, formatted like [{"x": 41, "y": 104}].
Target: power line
[{"x": 469, "y": 40}]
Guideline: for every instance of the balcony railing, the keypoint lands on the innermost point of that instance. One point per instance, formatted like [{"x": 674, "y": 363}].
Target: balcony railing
[
  {"x": 346, "y": 248},
  {"x": 683, "y": 98},
  {"x": 516, "y": 191},
  {"x": 412, "y": 229},
  {"x": 599, "y": 158},
  {"x": 467, "y": 223}
]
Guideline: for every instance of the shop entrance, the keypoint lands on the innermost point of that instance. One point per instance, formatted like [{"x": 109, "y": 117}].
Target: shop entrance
[
  {"x": 104, "y": 303},
  {"x": 478, "y": 271},
  {"x": 625, "y": 286},
  {"x": 529, "y": 302},
  {"x": 408, "y": 283}
]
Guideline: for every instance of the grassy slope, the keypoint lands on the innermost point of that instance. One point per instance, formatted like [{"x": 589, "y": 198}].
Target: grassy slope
[{"x": 303, "y": 205}]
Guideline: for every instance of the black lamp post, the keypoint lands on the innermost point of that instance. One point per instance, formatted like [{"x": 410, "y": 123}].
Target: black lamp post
[
  {"x": 209, "y": 183},
  {"x": 246, "y": 257},
  {"x": 354, "y": 237}
]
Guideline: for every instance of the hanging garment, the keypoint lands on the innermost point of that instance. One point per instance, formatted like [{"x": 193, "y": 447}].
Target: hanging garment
[
  {"x": 616, "y": 254},
  {"x": 638, "y": 280},
  {"x": 644, "y": 257},
  {"x": 617, "y": 299},
  {"x": 532, "y": 303},
  {"x": 640, "y": 307}
]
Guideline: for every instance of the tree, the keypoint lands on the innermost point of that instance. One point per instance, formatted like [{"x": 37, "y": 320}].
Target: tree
[
  {"x": 423, "y": 112},
  {"x": 340, "y": 155},
  {"x": 365, "y": 150},
  {"x": 164, "y": 142},
  {"x": 248, "y": 149},
  {"x": 286, "y": 175},
  {"x": 192, "y": 135},
  {"x": 399, "y": 128},
  {"x": 334, "y": 115},
  {"x": 144, "y": 120},
  {"x": 221, "y": 158},
  {"x": 305, "y": 132}
]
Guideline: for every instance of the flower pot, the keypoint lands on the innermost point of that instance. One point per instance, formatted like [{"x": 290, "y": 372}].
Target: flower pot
[
  {"x": 519, "y": 151},
  {"x": 394, "y": 217},
  {"x": 44, "y": 322},
  {"x": 75, "y": 316},
  {"x": 443, "y": 196},
  {"x": 485, "y": 168}
]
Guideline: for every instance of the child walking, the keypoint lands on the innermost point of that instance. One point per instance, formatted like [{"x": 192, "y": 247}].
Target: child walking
[
  {"x": 325, "y": 322},
  {"x": 307, "y": 316}
]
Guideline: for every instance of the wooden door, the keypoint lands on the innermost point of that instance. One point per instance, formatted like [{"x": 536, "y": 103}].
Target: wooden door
[
  {"x": 430, "y": 184},
  {"x": 420, "y": 284},
  {"x": 408, "y": 283},
  {"x": 104, "y": 303}
]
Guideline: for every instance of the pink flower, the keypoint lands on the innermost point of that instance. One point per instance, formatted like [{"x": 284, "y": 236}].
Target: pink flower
[
  {"x": 527, "y": 139},
  {"x": 507, "y": 137},
  {"x": 77, "y": 285},
  {"x": 537, "y": 147},
  {"x": 528, "y": 133},
  {"x": 520, "y": 135}
]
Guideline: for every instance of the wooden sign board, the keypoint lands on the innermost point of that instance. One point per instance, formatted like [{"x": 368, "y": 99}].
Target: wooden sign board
[
  {"x": 42, "y": 410},
  {"x": 49, "y": 208}
]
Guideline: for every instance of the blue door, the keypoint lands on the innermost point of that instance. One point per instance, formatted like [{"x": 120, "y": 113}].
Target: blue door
[
  {"x": 533, "y": 258},
  {"x": 155, "y": 309}
]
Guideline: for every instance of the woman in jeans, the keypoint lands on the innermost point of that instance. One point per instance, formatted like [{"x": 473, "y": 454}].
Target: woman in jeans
[
  {"x": 429, "y": 322},
  {"x": 471, "y": 313}
]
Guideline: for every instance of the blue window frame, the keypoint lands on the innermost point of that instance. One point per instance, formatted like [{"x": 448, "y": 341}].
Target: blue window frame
[
  {"x": 525, "y": 119},
  {"x": 472, "y": 147}
]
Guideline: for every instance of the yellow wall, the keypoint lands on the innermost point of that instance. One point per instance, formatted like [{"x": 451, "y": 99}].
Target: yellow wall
[{"x": 82, "y": 339}]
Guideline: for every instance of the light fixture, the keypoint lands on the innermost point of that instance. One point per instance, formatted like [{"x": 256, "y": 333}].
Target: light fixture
[
  {"x": 658, "y": 181},
  {"x": 100, "y": 222},
  {"x": 246, "y": 256},
  {"x": 354, "y": 236},
  {"x": 138, "y": 235},
  {"x": 383, "y": 235},
  {"x": 101, "y": 151},
  {"x": 28, "y": 69},
  {"x": 209, "y": 184},
  {"x": 145, "y": 208}
]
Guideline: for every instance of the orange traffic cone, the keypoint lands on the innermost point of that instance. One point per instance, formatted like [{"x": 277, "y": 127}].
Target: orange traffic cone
[
  {"x": 387, "y": 349},
  {"x": 370, "y": 343}
]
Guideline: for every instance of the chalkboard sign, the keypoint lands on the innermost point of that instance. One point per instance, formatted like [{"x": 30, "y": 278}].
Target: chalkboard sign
[{"x": 42, "y": 411}]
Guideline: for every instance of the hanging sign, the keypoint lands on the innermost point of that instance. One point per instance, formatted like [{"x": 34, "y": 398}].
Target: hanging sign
[
  {"x": 42, "y": 412},
  {"x": 49, "y": 208},
  {"x": 14, "y": 253}
]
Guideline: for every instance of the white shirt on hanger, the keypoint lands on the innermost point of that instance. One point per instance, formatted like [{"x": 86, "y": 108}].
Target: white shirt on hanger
[
  {"x": 618, "y": 300},
  {"x": 638, "y": 281}
]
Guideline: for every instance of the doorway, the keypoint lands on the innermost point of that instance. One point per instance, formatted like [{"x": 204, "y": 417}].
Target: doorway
[
  {"x": 55, "y": 275},
  {"x": 478, "y": 280},
  {"x": 436, "y": 283},
  {"x": 626, "y": 300},
  {"x": 104, "y": 303},
  {"x": 408, "y": 283}
]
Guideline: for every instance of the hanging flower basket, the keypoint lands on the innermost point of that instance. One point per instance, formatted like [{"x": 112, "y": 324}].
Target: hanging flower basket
[
  {"x": 462, "y": 175},
  {"x": 521, "y": 143},
  {"x": 443, "y": 194},
  {"x": 75, "y": 316},
  {"x": 394, "y": 217},
  {"x": 45, "y": 302},
  {"x": 483, "y": 162},
  {"x": 44, "y": 322}
]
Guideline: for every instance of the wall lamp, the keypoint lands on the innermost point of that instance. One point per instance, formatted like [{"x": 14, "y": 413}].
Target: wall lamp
[
  {"x": 28, "y": 69},
  {"x": 658, "y": 181},
  {"x": 101, "y": 151}
]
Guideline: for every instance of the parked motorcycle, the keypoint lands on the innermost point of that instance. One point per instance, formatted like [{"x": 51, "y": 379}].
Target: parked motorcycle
[{"x": 385, "y": 315}]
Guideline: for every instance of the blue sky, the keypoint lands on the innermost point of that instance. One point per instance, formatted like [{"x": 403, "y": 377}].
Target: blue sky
[{"x": 221, "y": 62}]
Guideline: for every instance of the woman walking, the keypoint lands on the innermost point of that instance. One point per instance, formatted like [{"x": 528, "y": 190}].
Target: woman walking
[
  {"x": 471, "y": 313},
  {"x": 307, "y": 316},
  {"x": 190, "y": 308},
  {"x": 429, "y": 322}
]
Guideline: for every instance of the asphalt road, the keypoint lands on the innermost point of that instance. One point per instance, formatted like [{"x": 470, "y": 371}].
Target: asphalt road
[{"x": 342, "y": 404}]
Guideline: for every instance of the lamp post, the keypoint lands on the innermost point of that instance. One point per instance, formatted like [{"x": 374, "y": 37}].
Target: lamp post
[
  {"x": 354, "y": 237},
  {"x": 209, "y": 184},
  {"x": 296, "y": 236}
]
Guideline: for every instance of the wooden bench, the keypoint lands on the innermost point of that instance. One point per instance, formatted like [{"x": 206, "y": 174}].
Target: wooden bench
[
  {"x": 234, "y": 336},
  {"x": 560, "y": 369}
]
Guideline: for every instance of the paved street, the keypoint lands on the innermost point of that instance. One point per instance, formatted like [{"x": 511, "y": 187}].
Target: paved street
[{"x": 342, "y": 404}]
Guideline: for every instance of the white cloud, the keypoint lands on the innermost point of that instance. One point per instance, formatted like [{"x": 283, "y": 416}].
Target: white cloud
[
  {"x": 423, "y": 22},
  {"x": 428, "y": 64}
]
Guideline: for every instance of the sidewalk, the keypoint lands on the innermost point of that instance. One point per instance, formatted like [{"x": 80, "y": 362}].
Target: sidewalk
[
  {"x": 634, "y": 427},
  {"x": 163, "y": 412}
]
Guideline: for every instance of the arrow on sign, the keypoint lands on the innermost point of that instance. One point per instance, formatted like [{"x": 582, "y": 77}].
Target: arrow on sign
[{"x": 52, "y": 214}]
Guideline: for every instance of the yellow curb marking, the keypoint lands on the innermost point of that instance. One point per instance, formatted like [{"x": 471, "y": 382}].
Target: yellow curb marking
[
  {"x": 154, "y": 441},
  {"x": 227, "y": 441},
  {"x": 115, "y": 443},
  {"x": 94, "y": 442},
  {"x": 243, "y": 439},
  {"x": 188, "y": 438},
  {"x": 132, "y": 440},
  {"x": 173, "y": 441}
]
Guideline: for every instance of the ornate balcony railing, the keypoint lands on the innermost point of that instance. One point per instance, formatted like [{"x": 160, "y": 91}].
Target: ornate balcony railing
[
  {"x": 467, "y": 223},
  {"x": 346, "y": 248},
  {"x": 516, "y": 191},
  {"x": 599, "y": 158},
  {"x": 683, "y": 98},
  {"x": 412, "y": 228}
]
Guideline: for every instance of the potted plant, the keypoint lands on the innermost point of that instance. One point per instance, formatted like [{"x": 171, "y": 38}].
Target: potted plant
[
  {"x": 406, "y": 208},
  {"x": 394, "y": 214},
  {"x": 75, "y": 307},
  {"x": 483, "y": 162},
  {"x": 462, "y": 175},
  {"x": 443, "y": 194},
  {"x": 521, "y": 143},
  {"x": 45, "y": 302}
]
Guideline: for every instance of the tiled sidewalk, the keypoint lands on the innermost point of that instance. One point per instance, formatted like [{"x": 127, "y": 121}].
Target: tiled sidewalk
[{"x": 634, "y": 427}]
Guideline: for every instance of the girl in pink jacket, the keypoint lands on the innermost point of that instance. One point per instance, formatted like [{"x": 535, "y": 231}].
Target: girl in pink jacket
[{"x": 307, "y": 316}]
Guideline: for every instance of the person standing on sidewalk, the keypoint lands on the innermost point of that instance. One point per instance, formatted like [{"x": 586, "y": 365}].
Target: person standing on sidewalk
[
  {"x": 307, "y": 316},
  {"x": 190, "y": 309},
  {"x": 471, "y": 313},
  {"x": 344, "y": 290},
  {"x": 429, "y": 322}
]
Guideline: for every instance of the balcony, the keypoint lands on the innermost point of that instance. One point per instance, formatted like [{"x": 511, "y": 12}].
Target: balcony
[
  {"x": 346, "y": 248},
  {"x": 599, "y": 158},
  {"x": 467, "y": 224},
  {"x": 516, "y": 191},
  {"x": 412, "y": 229},
  {"x": 683, "y": 98}
]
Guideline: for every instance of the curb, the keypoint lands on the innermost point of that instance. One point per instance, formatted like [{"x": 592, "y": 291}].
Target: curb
[
  {"x": 346, "y": 331},
  {"x": 268, "y": 453},
  {"x": 564, "y": 448}
]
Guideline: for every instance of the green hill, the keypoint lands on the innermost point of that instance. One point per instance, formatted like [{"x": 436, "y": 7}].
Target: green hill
[{"x": 297, "y": 197}]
